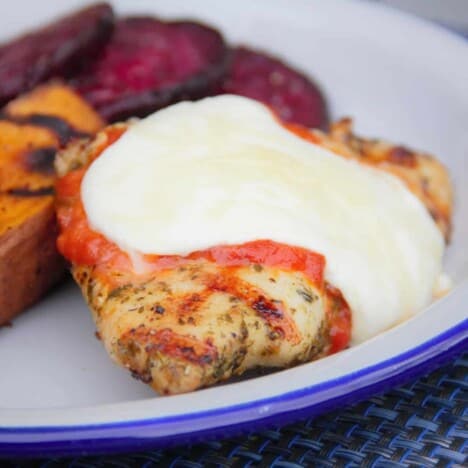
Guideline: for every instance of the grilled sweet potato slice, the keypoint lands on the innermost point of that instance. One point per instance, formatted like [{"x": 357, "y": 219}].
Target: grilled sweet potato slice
[
  {"x": 32, "y": 128},
  {"x": 55, "y": 49}
]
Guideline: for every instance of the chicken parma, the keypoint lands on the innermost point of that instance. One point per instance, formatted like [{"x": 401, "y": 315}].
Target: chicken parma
[{"x": 180, "y": 321}]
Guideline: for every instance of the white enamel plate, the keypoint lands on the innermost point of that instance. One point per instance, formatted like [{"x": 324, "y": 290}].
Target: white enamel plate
[{"x": 401, "y": 79}]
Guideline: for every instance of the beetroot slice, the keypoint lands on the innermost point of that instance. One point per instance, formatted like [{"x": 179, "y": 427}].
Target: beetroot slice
[
  {"x": 262, "y": 77},
  {"x": 53, "y": 50},
  {"x": 149, "y": 64}
]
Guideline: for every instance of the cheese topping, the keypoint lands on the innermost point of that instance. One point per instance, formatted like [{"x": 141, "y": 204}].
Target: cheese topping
[{"x": 223, "y": 170}]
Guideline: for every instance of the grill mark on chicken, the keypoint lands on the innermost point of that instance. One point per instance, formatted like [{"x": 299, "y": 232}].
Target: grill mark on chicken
[
  {"x": 402, "y": 156},
  {"x": 193, "y": 301},
  {"x": 169, "y": 343},
  {"x": 271, "y": 311}
]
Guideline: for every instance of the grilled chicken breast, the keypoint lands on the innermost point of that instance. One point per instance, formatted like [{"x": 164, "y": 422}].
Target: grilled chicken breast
[{"x": 183, "y": 323}]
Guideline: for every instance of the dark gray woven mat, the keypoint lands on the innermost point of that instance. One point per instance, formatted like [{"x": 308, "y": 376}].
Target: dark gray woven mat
[{"x": 424, "y": 423}]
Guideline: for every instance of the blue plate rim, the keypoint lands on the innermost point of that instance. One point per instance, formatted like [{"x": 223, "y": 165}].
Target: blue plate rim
[{"x": 378, "y": 377}]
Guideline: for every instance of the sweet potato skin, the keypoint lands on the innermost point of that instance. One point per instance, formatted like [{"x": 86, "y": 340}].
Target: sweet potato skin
[
  {"x": 32, "y": 129},
  {"x": 29, "y": 262}
]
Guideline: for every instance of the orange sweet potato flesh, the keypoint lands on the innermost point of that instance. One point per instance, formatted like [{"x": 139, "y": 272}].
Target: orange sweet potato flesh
[
  {"x": 59, "y": 101},
  {"x": 32, "y": 128}
]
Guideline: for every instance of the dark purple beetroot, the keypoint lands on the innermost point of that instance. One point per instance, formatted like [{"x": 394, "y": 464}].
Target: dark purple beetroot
[
  {"x": 149, "y": 64},
  {"x": 55, "y": 49},
  {"x": 262, "y": 77}
]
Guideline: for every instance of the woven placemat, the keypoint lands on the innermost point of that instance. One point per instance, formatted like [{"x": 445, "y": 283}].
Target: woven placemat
[{"x": 424, "y": 423}]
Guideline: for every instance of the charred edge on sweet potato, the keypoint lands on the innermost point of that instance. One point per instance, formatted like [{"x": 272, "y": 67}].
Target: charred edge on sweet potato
[
  {"x": 28, "y": 193},
  {"x": 40, "y": 160},
  {"x": 60, "y": 127}
]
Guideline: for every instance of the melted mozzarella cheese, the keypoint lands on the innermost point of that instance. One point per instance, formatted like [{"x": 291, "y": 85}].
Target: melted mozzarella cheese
[{"x": 224, "y": 171}]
